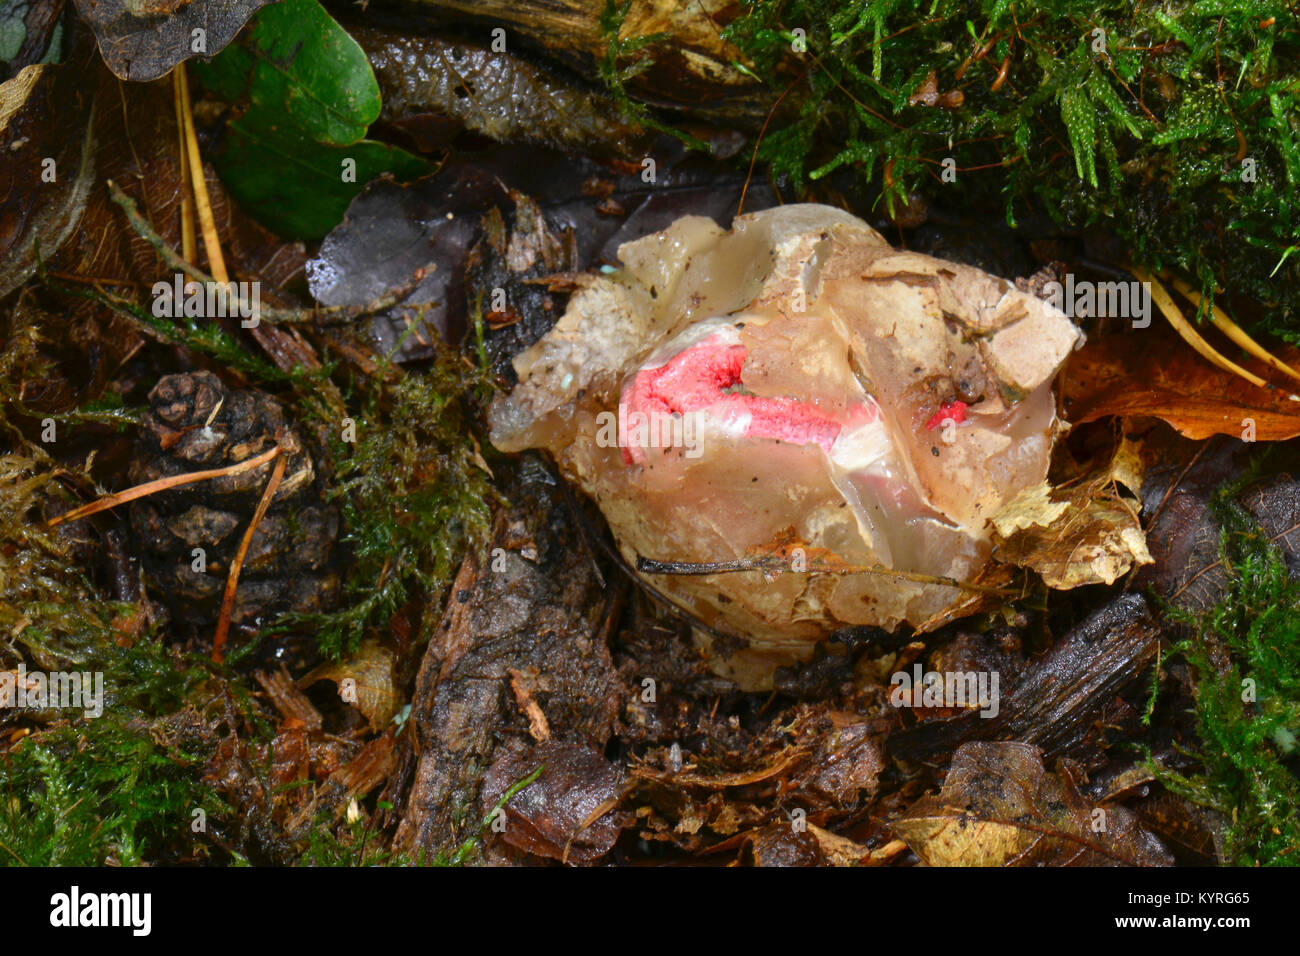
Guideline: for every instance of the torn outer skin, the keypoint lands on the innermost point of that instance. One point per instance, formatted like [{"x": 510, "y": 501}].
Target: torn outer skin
[{"x": 818, "y": 363}]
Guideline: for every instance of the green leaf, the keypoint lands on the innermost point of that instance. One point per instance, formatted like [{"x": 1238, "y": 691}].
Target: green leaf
[
  {"x": 13, "y": 31},
  {"x": 297, "y": 156},
  {"x": 297, "y": 187},
  {"x": 297, "y": 62}
]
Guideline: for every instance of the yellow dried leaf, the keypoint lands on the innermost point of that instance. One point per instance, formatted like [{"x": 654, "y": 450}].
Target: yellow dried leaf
[
  {"x": 1126, "y": 466},
  {"x": 365, "y": 680},
  {"x": 840, "y": 851},
  {"x": 1093, "y": 542},
  {"x": 1083, "y": 534},
  {"x": 1033, "y": 507},
  {"x": 950, "y": 838}
]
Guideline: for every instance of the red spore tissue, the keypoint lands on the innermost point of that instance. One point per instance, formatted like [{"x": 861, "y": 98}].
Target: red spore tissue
[{"x": 954, "y": 410}]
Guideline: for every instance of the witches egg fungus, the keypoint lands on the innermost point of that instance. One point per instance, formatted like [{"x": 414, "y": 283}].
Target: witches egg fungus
[{"x": 794, "y": 387}]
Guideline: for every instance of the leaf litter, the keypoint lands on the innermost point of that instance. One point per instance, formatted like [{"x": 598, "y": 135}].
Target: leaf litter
[{"x": 548, "y": 689}]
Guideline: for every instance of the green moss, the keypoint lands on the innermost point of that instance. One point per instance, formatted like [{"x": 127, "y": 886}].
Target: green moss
[
  {"x": 1245, "y": 655},
  {"x": 627, "y": 57},
  {"x": 356, "y": 843},
  {"x": 74, "y": 789},
  {"x": 411, "y": 494},
  {"x": 83, "y": 790},
  {"x": 409, "y": 491},
  {"x": 100, "y": 790},
  {"x": 348, "y": 844},
  {"x": 1146, "y": 136}
]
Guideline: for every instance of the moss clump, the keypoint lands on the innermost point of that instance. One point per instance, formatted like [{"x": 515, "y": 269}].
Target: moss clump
[
  {"x": 85, "y": 790},
  {"x": 411, "y": 495},
  {"x": 78, "y": 790},
  {"x": 1245, "y": 655},
  {"x": 1174, "y": 124},
  {"x": 104, "y": 790}
]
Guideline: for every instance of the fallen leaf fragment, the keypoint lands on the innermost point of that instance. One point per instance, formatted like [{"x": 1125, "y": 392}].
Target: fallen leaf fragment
[
  {"x": 566, "y": 813},
  {"x": 1032, "y": 508},
  {"x": 1153, "y": 374},
  {"x": 143, "y": 41},
  {"x": 37, "y": 213},
  {"x": 1082, "y": 533},
  {"x": 1000, "y": 807},
  {"x": 371, "y": 671},
  {"x": 839, "y": 851}
]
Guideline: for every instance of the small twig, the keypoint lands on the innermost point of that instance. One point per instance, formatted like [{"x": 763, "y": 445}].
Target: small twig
[
  {"x": 753, "y": 159},
  {"x": 162, "y": 484},
  {"x": 20, "y": 860},
  {"x": 769, "y": 563},
  {"x": 331, "y": 314},
  {"x": 145, "y": 231},
  {"x": 93, "y": 280},
  {"x": 236, "y": 565}
]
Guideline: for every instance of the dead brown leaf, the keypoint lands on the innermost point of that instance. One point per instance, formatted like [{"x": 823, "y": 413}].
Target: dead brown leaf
[
  {"x": 1000, "y": 807},
  {"x": 49, "y": 163},
  {"x": 566, "y": 814},
  {"x": 1153, "y": 373},
  {"x": 144, "y": 39}
]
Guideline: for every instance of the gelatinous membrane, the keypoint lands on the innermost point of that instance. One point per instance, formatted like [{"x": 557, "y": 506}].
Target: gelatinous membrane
[{"x": 795, "y": 387}]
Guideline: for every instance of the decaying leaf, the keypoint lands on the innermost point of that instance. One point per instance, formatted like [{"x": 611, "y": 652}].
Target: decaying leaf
[
  {"x": 780, "y": 844},
  {"x": 369, "y": 675},
  {"x": 391, "y": 230},
  {"x": 806, "y": 844},
  {"x": 1081, "y": 533},
  {"x": 839, "y": 851},
  {"x": 47, "y": 141},
  {"x": 567, "y": 813},
  {"x": 1032, "y": 508},
  {"x": 1187, "y": 531},
  {"x": 1152, "y": 373},
  {"x": 144, "y": 39},
  {"x": 434, "y": 88},
  {"x": 1000, "y": 807},
  {"x": 849, "y": 764}
]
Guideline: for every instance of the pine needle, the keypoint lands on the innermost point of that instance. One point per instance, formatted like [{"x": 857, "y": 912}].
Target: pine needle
[
  {"x": 236, "y": 565},
  {"x": 188, "y": 244},
  {"x": 1165, "y": 303},
  {"x": 162, "y": 484},
  {"x": 1234, "y": 331},
  {"x": 211, "y": 241}
]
